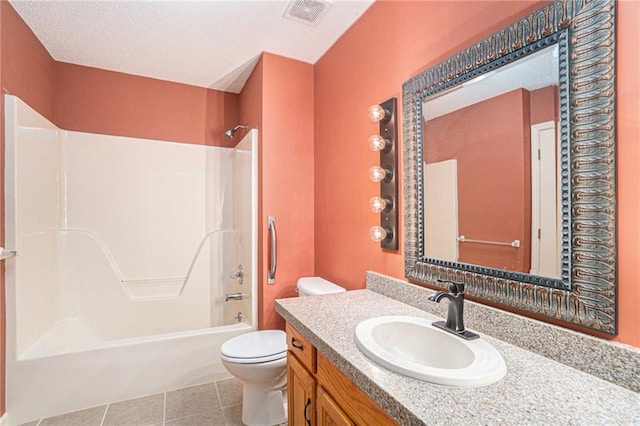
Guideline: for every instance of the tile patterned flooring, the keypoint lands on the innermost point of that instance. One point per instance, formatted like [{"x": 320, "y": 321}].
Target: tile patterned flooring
[{"x": 212, "y": 404}]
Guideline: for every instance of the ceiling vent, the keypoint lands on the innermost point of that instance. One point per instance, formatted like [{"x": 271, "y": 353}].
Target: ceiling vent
[{"x": 308, "y": 12}]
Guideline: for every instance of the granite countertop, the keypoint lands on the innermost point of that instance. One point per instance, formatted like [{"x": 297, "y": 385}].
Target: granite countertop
[{"x": 536, "y": 390}]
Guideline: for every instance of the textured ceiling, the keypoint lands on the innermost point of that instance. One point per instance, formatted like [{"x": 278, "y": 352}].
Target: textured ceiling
[{"x": 214, "y": 43}]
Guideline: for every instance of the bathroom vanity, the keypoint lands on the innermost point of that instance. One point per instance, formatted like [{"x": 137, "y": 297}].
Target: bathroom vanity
[
  {"x": 315, "y": 385},
  {"x": 331, "y": 373}
]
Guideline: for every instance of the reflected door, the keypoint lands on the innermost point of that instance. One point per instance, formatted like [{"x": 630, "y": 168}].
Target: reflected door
[
  {"x": 545, "y": 241},
  {"x": 441, "y": 210}
]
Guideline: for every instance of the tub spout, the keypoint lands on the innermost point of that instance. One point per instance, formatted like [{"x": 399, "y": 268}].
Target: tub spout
[{"x": 234, "y": 296}]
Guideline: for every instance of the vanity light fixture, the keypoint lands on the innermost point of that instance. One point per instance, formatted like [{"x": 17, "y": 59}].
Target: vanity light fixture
[
  {"x": 386, "y": 143},
  {"x": 379, "y": 234},
  {"x": 379, "y": 205},
  {"x": 378, "y": 174},
  {"x": 378, "y": 143},
  {"x": 378, "y": 113}
]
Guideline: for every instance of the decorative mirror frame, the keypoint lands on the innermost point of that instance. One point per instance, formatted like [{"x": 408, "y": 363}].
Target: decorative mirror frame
[{"x": 586, "y": 293}]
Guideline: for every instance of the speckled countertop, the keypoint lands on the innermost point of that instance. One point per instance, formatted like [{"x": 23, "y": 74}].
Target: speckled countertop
[{"x": 536, "y": 390}]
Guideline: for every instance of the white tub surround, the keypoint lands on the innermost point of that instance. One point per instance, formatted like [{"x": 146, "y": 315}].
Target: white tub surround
[{"x": 126, "y": 249}]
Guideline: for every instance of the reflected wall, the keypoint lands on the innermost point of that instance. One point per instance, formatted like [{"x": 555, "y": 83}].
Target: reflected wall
[{"x": 491, "y": 144}]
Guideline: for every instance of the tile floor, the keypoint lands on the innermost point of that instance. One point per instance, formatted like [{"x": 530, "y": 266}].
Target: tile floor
[{"x": 212, "y": 404}]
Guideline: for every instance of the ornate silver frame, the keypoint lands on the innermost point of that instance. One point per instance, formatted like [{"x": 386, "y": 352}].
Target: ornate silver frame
[{"x": 586, "y": 293}]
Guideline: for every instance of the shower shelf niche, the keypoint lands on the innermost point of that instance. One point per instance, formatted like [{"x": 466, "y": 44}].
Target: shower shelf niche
[{"x": 154, "y": 289}]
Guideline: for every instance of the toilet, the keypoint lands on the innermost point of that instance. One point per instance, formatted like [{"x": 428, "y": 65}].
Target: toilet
[{"x": 259, "y": 360}]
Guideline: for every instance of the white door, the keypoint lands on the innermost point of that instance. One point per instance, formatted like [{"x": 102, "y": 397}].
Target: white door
[
  {"x": 441, "y": 210},
  {"x": 545, "y": 236}
]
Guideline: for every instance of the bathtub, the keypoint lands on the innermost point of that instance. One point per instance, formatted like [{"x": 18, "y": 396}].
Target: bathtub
[
  {"x": 125, "y": 251},
  {"x": 119, "y": 370}
]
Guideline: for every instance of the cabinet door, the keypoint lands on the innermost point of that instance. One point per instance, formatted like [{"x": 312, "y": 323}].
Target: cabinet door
[
  {"x": 360, "y": 408},
  {"x": 329, "y": 413},
  {"x": 301, "y": 393}
]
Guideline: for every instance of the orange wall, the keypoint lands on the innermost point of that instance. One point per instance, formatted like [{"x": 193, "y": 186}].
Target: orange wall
[
  {"x": 628, "y": 159},
  {"x": 284, "y": 88},
  {"x": 27, "y": 69},
  {"x": 360, "y": 70},
  {"x": 223, "y": 113},
  {"x": 491, "y": 141},
  {"x": 106, "y": 102},
  {"x": 544, "y": 104},
  {"x": 113, "y": 103}
]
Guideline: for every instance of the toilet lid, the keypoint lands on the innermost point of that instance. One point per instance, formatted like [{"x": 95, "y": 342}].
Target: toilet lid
[
  {"x": 313, "y": 286},
  {"x": 255, "y": 347}
]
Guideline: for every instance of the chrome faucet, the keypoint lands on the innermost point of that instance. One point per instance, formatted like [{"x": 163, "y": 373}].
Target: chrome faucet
[
  {"x": 234, "y": 296},
  {"x": 455, "y": 314}
]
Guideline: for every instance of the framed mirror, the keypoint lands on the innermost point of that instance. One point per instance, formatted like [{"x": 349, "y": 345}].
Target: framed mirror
[{"x": 509, "y": 166}]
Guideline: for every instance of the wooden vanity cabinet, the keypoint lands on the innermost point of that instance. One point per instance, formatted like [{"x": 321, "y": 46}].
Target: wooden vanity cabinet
[
  {"x": 320, "y": 394},
  {"x": 301, "y": 391},
  {"x": 329, "y": 412}
]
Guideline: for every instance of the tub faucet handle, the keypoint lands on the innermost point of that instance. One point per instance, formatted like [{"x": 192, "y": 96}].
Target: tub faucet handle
[{"x": 239, "y": 274}]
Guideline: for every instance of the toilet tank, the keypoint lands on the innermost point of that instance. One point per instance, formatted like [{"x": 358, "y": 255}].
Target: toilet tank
[{"x": 313, "y": 286}]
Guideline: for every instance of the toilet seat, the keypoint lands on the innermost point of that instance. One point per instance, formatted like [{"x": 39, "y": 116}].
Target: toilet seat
[{"x": 255, "y": 347}]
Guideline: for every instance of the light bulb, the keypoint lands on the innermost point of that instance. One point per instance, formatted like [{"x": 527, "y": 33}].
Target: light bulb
[
  {"x": 377, "y": 173},
  {"x": 378, "y": 204},
  {"x": 378, "y": 233},
  {"x": 376, "y": 113},
  {"x": 378, "y": 143}
]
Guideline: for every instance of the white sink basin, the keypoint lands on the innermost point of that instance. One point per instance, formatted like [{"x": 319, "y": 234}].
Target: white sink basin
[{"x": 413, "y": 347}]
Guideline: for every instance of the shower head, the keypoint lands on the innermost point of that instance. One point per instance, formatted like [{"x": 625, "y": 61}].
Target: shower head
[{"x": 229, "y": 133}]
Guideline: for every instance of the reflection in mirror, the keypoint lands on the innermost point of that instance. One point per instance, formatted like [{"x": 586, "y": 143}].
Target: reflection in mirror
[
  {"x": 490, "y": 154},
  {"x": 513, "y": 190}
]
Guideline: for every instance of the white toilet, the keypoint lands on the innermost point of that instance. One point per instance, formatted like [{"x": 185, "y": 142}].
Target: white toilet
[{"x": 259, "y": 360}]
